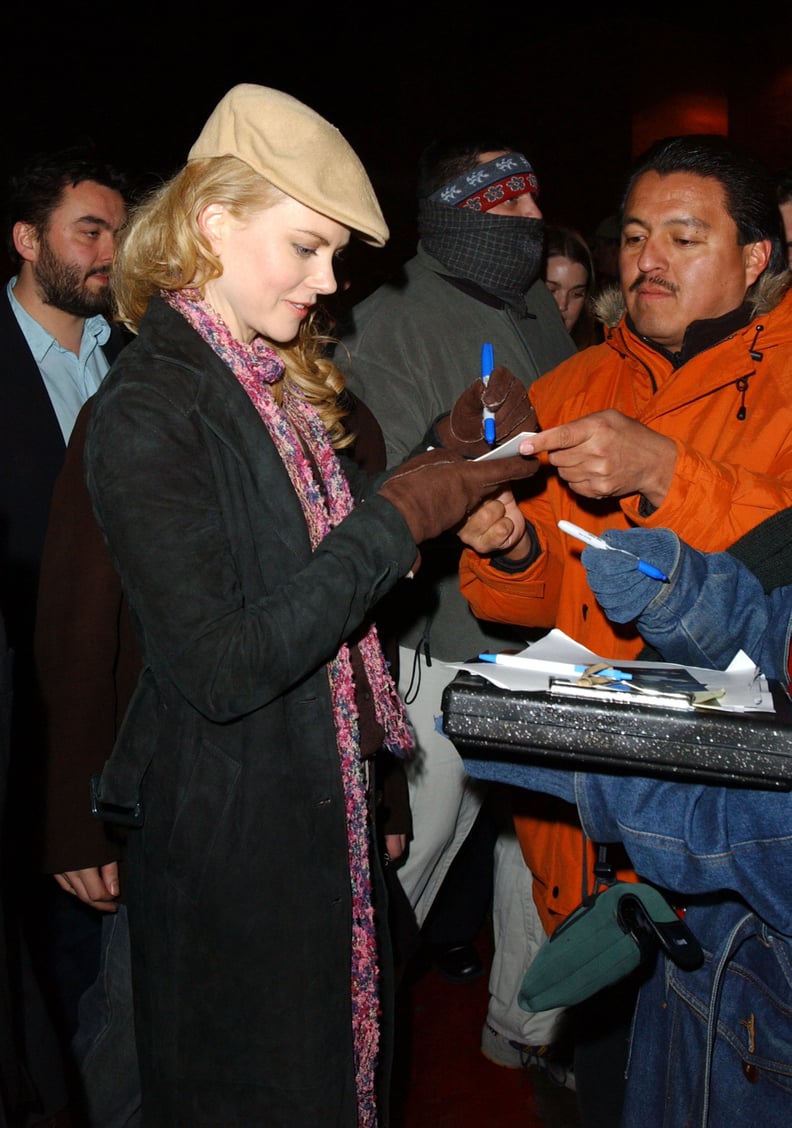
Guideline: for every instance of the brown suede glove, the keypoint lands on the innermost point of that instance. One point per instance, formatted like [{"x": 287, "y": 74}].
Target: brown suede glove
[
  {"x": 438, "y": 489},
  {"x": 462, "y": 430}
]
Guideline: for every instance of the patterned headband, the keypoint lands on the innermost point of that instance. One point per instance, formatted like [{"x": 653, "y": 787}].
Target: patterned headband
[{"x": 487, "y": 185}]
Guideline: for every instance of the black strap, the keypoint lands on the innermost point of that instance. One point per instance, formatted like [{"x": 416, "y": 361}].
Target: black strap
[
  {"x": 767, "y": 550},
  {"x": 603, "y": 869}
]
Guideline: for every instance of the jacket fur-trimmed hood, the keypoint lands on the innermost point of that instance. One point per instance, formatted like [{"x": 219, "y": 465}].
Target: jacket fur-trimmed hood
[{"x": 766, "y": 293}]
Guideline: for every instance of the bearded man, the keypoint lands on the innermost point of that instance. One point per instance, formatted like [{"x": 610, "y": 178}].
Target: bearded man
[{"x": 63, "y": 213}]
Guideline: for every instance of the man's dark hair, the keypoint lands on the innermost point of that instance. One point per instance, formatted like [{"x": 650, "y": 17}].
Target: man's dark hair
[
  {"x": 447, "y": 158},
  {"x": 748, "y": 187},
  {"x": 35, "y": 189}
]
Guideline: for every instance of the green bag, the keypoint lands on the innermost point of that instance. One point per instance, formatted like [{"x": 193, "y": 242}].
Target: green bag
[{"x": 604, "y": 939}]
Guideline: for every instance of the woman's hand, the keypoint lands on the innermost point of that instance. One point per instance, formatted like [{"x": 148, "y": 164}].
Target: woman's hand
[{"x": 462, "y": 429}]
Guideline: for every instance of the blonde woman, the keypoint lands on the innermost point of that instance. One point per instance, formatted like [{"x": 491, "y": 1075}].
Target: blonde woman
[{"x": 216, "y": 467}]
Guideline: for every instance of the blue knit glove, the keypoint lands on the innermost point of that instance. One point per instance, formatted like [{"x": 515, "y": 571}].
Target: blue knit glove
[{"x": 621, "y": 590}]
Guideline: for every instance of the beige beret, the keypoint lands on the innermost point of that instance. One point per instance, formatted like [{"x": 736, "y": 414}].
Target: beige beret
[{"x": 297, "y": 151}]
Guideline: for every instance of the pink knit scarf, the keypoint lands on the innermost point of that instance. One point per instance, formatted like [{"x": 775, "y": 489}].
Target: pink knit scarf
[{"x": 294, "y": 428}]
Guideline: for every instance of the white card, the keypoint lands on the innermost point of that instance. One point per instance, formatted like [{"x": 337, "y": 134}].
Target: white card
[{"x": 509, "y": 448}]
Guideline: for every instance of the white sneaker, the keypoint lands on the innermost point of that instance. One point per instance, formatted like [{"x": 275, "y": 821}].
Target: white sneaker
[{"x": 503, "y": 1051}]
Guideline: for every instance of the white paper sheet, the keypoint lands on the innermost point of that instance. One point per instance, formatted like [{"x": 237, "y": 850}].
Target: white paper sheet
[{"x": 746, "y": 688}]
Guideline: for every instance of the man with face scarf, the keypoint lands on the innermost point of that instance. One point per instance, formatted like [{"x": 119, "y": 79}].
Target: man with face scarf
[{"x": 410, "y": 349}]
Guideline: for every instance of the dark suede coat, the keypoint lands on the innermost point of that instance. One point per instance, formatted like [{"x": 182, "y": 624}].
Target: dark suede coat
[
  {"x": 238, "y": 885},
  {"x": 88, "y": 661}
]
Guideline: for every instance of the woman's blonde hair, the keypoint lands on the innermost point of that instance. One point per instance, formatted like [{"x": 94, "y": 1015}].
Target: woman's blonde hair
[{"x": 163, "y": 248}]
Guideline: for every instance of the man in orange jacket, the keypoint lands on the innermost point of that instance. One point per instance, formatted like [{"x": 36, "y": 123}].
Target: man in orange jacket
[{"x": 682, "y": 418}]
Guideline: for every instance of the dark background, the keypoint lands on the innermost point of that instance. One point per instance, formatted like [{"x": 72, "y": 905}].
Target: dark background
[{"x": 580, "y": 93}]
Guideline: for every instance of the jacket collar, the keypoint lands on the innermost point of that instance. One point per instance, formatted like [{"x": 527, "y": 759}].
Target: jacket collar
[
  {"x": 217, "y": 394},
  {"x": 226, "y": 410},
  {"x": 765, "y": 295},
  {"x": 700, "y": 335}
]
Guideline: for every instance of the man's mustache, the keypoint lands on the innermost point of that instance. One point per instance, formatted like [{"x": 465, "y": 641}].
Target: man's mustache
[{"x": 663, "y": 283}]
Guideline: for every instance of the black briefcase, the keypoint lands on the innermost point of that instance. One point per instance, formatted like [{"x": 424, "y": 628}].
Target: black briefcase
[{"x": 751, "y": 749}]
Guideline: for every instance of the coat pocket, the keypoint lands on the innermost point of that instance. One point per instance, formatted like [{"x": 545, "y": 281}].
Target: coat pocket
[{"x": 202, "y": 820}]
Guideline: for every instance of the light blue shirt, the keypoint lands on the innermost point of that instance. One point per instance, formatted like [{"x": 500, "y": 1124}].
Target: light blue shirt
[{"x": 70, "y": 380}]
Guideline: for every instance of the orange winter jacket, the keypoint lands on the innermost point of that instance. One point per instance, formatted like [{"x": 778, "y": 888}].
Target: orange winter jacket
[{"x": 733, "y": 470}]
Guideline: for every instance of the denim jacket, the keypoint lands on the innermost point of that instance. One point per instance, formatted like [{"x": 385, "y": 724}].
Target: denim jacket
[
  {"x": 710, "y": 1047},
  {"x": 714, "y": 1046},
  {"x": 713, "y": 607}
]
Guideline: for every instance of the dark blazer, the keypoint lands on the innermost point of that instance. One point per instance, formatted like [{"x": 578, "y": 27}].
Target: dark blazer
[
  {"x": 11, "y": 1085},
  {"x": 31, "y": 454},
  {"x": 238, "y": 881}
]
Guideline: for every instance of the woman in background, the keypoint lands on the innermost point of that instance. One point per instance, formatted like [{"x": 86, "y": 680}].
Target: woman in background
[{"x": 569, "y": 276}]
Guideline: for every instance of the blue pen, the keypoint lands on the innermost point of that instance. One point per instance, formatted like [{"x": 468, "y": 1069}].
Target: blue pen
[
  {"x": 546, "y": 666},
  {"x": 598, "y": 542},
  {"x": 487, "y": 365}
]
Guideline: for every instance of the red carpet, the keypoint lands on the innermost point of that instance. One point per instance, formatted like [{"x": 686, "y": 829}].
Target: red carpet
[{"x": 441, "y": 1079}]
